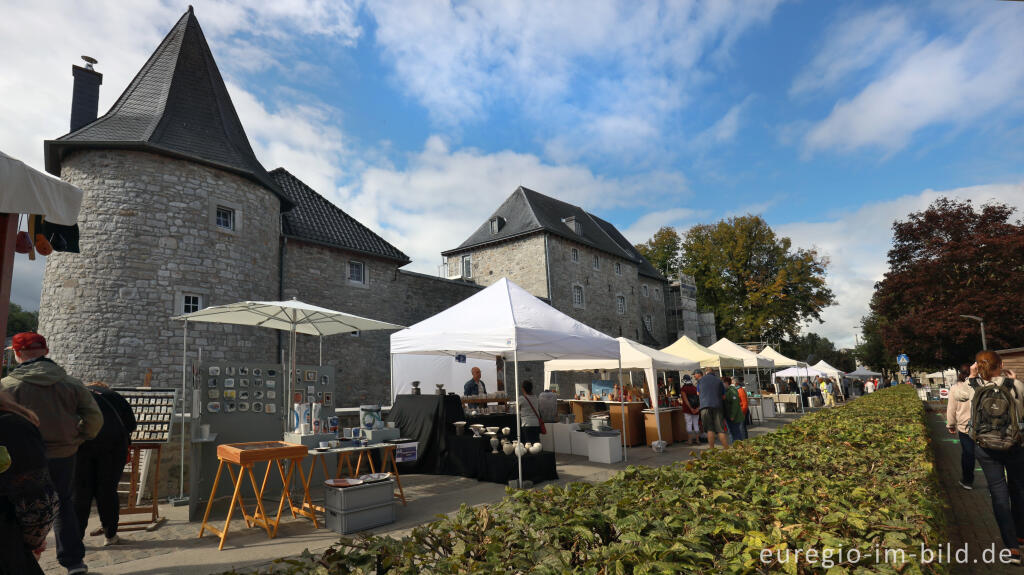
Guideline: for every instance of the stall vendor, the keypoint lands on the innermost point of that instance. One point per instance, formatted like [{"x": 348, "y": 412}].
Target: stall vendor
[{"x": 476, "y": 385}]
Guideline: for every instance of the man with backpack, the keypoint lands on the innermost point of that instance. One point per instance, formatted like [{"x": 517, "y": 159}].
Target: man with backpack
[
  {"x": 735, "y": 419},
  {"x": 995, "y": 426}
]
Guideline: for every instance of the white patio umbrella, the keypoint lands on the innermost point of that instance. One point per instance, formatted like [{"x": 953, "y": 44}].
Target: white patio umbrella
[{"x": 292, "y": 316}]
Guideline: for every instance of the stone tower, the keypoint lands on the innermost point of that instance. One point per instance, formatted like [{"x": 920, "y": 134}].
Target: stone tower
[{"x": 178, "y": 214}]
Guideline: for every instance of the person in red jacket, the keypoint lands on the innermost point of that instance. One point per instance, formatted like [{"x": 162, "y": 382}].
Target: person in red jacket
[{"x": 690, "y": 399}]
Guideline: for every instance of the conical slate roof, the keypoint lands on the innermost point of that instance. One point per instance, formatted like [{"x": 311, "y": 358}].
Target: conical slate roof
[{"x": 177, "y": 106}]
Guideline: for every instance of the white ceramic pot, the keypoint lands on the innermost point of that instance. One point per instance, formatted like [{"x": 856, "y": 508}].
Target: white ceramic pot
[
  {"x": 508, "y": 448},
  {"x": 506, "y": 431},
  {"x": 495, "y": 442},
  {"x": 536, "y": 448},
  {"x": 520, "y": 449}
]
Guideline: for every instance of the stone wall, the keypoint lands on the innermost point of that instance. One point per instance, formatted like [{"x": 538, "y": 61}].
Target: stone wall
[
  {"x": 319, "y": 275},
  {"x": 601, "y": 286},
  {"x": 520, "y": 260},
  {"x": 147, "y": 237}
]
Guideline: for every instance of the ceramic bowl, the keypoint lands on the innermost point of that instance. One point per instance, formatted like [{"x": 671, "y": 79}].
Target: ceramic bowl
[
  {"x": 493, "y": 429},
  {"x": 506, "y": 431}
]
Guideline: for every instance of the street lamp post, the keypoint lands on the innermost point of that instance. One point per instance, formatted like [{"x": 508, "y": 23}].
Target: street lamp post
[{"x": 984, "y": 345}]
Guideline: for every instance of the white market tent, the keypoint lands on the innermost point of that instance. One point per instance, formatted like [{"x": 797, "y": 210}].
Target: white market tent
[
  {"x": 778, "y": 359},
  {"x": 434, "y": 370},
  {"x": 797, "y": 372},
  {"x": 947, "y": 376},
  {"x": 504, "y": 320},
  {"x": 828, "y": 370},
  {"x": 686, "y": 348},
  {"x": 633, "y": 356},
  {"x": 24, "y": 190},
  {"x": 749, "y": 358}
]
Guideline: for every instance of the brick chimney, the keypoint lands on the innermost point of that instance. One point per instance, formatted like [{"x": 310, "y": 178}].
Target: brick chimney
[{"x": 85, "y": 97}]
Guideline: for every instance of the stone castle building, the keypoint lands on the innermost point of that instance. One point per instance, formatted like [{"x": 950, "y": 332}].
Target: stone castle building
[
  {"x": 179, "y": 214},
  {"x": 683, "y": 317},
  {"x": 575, "y": 260}
]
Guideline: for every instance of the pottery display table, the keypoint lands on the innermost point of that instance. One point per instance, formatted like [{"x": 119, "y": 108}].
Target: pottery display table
[
  {"x": 245, "y": 456},
  {"x": 651, "y": 424},
  {"x": 387, "y": 459}
]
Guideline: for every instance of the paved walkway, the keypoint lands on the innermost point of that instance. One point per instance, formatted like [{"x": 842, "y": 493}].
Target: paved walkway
[
  {"x": 175, "y": 548},
  {"x": 970, "y": 520}
]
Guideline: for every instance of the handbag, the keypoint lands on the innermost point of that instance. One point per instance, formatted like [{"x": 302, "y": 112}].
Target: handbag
[{"x": 543, "y": 428}]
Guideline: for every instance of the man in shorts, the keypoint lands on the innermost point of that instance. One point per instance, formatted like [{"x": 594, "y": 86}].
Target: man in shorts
[{"x": 712, "y": 414}]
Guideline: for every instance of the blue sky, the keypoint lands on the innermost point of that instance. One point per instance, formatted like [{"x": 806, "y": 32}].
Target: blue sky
[{"x": 829, "y": 119}]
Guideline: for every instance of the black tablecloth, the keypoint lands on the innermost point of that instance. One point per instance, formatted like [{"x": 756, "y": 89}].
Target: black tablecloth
[
  {"x": 470, "y": 456},
  {"x": 499, "y": 420},
  {"x": 426, "y": 419}
]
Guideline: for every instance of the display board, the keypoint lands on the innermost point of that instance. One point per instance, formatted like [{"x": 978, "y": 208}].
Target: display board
[{"x": 153, "y": 408}]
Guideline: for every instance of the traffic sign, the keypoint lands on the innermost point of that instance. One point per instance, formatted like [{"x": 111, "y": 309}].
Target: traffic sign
[
  {"x": 903, "y": 370},
  {"x": 902, "y": 359}
]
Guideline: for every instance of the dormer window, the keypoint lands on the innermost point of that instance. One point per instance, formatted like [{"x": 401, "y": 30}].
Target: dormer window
[
  {"x": 576, "y": 227},
  {"x": 497, "y": 223}
]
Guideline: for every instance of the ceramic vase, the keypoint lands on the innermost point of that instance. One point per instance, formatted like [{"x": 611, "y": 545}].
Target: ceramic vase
[{"x": 495, "y": 442}]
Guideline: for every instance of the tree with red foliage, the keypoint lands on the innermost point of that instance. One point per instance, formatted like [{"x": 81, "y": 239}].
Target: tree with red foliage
[{"x": 946, "y": 261}]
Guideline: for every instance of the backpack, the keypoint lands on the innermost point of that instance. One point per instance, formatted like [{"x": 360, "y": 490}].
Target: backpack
[
  {"x": 733, "y": 409},
  {"x": 995, "y": 418}
]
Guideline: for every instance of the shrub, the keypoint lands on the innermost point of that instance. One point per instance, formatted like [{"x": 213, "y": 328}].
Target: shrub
[{"x": 858, "y": 477}]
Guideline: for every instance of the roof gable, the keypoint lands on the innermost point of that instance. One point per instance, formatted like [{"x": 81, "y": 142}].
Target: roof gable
[
  {"x": 527, "y": 211},
  {"x": 176, "y": 105},
  {"x": 316, "y": 219}
]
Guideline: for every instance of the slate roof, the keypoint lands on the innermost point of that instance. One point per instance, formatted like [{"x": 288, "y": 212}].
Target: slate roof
[
  {"x": 526, "y": 212},
  {"x": 315, "y": 219},
  {"x": 177, "y": 105}
]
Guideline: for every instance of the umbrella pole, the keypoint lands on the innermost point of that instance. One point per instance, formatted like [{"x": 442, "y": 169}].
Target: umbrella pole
[
  {"x": 519, "y": 419},
  {"x": 321, "y": 351},
  {"x": 622, "y": 410},
  {"x": 291, "y": 361},
  {"x": 184, "y": 371}
]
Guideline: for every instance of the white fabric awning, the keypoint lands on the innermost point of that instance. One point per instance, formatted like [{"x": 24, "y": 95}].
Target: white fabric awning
[
  {"x": 824, "y": 367},
  {"x": 25, "y": 190},
  {"x": 779, "y": 359},
  {"x": 798, "y": 372},
  {"x": 505, "y": 320},
  {"x": 686, "y": 348},
  {"x": 749, "y": 358},
  {"x": 285, "y": 315}
]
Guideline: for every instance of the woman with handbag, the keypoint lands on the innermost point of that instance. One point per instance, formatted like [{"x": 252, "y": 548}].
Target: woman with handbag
[{"x": 530, "y": 417}]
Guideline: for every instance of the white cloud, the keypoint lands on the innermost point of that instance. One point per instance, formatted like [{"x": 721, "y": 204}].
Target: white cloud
[
  {"x": 857, "y": 243},
  {"x": 855, "y": 44},
  {"x": 441, "y": 197},
  {"x": 948, "y": 81},
  {"x": 645, "y": 226},
  {"x": 612, "y": 72},
  {"x": 724, "y": 130}
]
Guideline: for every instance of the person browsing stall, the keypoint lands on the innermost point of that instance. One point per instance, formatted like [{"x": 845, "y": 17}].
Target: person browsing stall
[
  {"x": 476, "y": 385},
  {"x": 712, "y": 414},
  {"x": 528, "y": 414}
]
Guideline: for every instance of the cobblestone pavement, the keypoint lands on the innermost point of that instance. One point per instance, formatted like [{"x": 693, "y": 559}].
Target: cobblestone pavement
[
  {"x": 175, "y": 547},
  {"x": 970, "y": 520}
]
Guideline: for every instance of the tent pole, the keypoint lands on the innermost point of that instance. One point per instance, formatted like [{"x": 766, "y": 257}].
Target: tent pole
[
  {"x": 622, "y": 410},
  {"x": 392, "y": 357},
  {"x": 655, "y": 403},
  {"x": 321, "y": 351},
  {"x": 519, "y": 419},
  {"x": 184, "y": 372}
]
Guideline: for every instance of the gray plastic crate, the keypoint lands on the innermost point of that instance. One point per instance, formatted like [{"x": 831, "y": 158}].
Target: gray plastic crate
[
  {"x": 359, "y": 496},
  {"x": 344, "y": 522}
]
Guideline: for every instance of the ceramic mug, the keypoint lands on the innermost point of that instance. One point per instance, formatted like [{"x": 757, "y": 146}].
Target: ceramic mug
[{"x": 325, "y": 444}]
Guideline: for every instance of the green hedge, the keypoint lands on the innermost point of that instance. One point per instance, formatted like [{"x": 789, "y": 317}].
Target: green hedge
[{"x": 856, "y": 477}]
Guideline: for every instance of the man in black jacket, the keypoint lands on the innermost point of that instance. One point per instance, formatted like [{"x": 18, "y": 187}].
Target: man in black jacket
[{"x": 101, "y": 461}]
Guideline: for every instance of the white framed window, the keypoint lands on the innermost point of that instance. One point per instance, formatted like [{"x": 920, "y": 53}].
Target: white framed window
[
  {"x": 225, "y": 218},
  {"x": 597, "y": 262},
  {"x": 578, "y": 228},
  {"x": 496, "y": 225},
  {"x": 191, "y": 303},
  {"x": 354, "y": 333},
  {"x": 620, "y": 304},
  {"x": 657, "y": 293},
  {"x": 467, "y": 266},
  {"x": 649, "y": 323},
  {"x": 637, "y": 334},
  {"x": 356, "y": 272},
  {"x": 644, "y": 291},
  {"x": 575, "y": 255},
  {"x": 618, "y": 269},
  {"x": 578, "y": 299}
]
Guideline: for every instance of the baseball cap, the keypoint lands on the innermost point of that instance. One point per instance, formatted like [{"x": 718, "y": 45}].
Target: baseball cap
[
  {"x": 698, "y": 372},
  {"x": 27, "y": 340}
]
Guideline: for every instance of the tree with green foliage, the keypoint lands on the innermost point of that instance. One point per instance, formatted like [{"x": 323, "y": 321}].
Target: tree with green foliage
[
  {"x": 948, "y": 260},
  {"x": 872, "y": 351},
  {"x": 757, "y": 284},
  {"x": 662, "y": 250},
  {"x": 19, "y": 320}
]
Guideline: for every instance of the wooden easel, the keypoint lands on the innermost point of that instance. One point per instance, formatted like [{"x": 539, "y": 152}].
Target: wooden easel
[{"x": 135, "y": 488}]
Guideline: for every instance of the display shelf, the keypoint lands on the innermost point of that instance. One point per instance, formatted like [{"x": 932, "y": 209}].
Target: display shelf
[
  {"x": 153, "y": 409},
  {"x": 485, "y": 400}
]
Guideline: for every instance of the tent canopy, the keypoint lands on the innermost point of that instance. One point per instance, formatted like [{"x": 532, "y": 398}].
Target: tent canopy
[
  {"x": 634, "y": 356},
  {"x": 863, "y": 373},
  {"x": 749, "y": 358},
  {"x": 778, "y": 359},
  {"x": 29, "y": 191},
  {"x": 947, "y": 376},
  {"x": 502, "y": 319},
  {"x": 283, "y": 315},
  {"x": 824, "y": 367},
  {"x": 686, "y": 348},
  {"x": 799, "y": 372}
]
